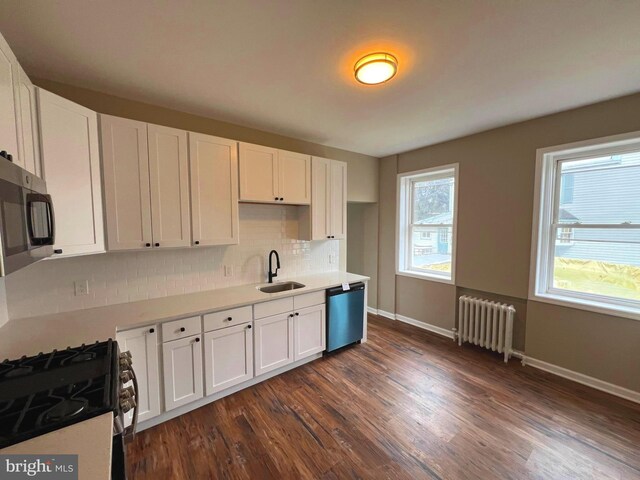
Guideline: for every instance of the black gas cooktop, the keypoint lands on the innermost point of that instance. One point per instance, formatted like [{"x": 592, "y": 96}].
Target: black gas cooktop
[{"x": 53, "y": 390}]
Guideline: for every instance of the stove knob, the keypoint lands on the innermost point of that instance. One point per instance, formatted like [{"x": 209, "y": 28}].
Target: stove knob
[
  {"x": 127, "y": 393},
  {"x": 126, "y": 405},
  {"x": 126, "y": 376},
  {"x": 125, "y": 363},
  {"x": 126, "y": 354}
]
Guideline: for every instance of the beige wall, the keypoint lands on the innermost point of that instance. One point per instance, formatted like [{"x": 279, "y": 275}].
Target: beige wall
[
  {"x": 362, "y": 245},
  {"x": 496, "y": 184},
  {"x": 362, "y": 172}
]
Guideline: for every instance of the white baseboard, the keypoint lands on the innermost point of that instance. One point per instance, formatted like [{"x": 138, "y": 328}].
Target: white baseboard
[
  {"x": 583, "y": 379},
  {"x": 389, "y": 315},
  {"x": 372, "y": 310},
  {"x": 425, "y": 326}
]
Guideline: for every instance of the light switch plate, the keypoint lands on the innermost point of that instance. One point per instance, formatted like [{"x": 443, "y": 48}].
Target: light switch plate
[
  {"x": 228, "y": 270},
  {"x": 81, "y": 287}
]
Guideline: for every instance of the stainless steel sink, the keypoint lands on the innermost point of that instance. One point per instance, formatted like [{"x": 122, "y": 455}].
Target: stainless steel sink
[{"x": 281, "y": 287}]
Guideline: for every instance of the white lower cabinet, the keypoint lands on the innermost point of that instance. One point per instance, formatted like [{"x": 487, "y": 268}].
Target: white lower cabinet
[
  {"x": 182, "y": 367},
  {"x": 309, "y": 327},
  {"x": 273, "y": 342},
  {"x": 143, "y": 345},
  {"x": 228, "y": 357}
]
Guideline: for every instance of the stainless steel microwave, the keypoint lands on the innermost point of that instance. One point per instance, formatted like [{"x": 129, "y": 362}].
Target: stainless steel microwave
[{"x": 27, "y": 222}]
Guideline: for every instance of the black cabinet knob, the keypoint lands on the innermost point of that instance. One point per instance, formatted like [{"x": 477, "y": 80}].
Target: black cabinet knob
[
  {"x": 197, "y": 242},
  {"x": 197, "y": 339},
  {"x": 182, "y": 329},
  {"x": 281, "y": 199},
  {"x": 57, "y": 250},
  {"x": 147, "y": 244},
  {"x": 296, "y": 314},
  {"x": 4, "y": 154},
  {"x": 229, "y": 319},
  {"x": 157, "y": 244},
  {"x": 276, "y": 199},
  {"x": 151, "y": 330},
  {"x": 248, "y": 326}
]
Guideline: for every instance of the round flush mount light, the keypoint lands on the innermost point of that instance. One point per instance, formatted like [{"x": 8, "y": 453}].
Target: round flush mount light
[{"x": 376, "y": 68}]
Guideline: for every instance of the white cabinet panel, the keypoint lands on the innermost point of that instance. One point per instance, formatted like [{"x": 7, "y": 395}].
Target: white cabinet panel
[
  {"x": 182, "y": 362},
  {"x": 28, "y": 114},
  {"x": 228, "y": 357},
  {"x": 169, "y": 184},
  {"x": 8, "y": 97},
  {"x": 71, "y": 168},
  {"x": 294, "y": 180},
  {"x": 309, "y": 331},
  {"x": 258, "y": 173},
  {"x": 214, "y": 189},
  {"x": 125, "y": 160},
  {"x": 338, "y": 200},
  {"x": 273, "y": 342},
  {"x": 143, "y": 345}
]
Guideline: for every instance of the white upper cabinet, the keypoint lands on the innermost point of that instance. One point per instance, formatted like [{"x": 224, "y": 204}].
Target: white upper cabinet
[
  {"x": 71, "y": 165},
  {"x": 9, "y": 103},
  {"x": 214, "y": 190},
  {"x": 29, "y": 129},
  {"x": 142, "y": 343},
  {"x": 125, "y": 161},
  {"x": 258, "y": 174},
  {"x": 169, "y": 184},
  {"x": 327, "y": 217},
  {"x": 268, "y": 175},
  {"x": 294, "y": 177}
]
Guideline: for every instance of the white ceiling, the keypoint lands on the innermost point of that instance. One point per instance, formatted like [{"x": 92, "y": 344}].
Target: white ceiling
[{"x": 285, "y": 66}]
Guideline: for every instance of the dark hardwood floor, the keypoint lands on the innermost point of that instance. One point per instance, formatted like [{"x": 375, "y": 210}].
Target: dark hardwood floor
[{"x": 406, "y": 405}]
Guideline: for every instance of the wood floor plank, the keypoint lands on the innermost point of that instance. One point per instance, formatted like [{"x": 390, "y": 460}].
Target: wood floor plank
[{"x": 407, "y": 404}]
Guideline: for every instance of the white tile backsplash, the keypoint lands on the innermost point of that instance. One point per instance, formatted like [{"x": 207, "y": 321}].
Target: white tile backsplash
[{"x": 48, "y": 286}]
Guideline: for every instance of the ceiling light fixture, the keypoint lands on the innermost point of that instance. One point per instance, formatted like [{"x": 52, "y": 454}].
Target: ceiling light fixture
[{"x": 376, "y": 68}]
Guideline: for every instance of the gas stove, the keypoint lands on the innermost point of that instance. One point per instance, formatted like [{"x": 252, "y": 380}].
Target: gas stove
[{"x": 53, "y": 390}]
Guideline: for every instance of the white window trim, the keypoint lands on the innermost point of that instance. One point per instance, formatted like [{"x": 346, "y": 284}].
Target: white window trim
[
  {"x": 401, "y": 215},
  {"x": 544, "y": 198}
]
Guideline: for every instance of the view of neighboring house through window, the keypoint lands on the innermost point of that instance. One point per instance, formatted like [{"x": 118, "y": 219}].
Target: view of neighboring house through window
[
  {"x": 427, "y": 223},
  {"x": 589, "y": 235}
]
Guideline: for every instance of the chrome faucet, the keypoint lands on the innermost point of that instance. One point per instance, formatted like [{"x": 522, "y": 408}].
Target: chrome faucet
[{"x": 271, "y": 274}]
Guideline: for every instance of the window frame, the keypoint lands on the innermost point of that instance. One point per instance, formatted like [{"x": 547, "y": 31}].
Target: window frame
[
  {"x": 545, "y": 223},
  {"x": 404, "y": 227}
]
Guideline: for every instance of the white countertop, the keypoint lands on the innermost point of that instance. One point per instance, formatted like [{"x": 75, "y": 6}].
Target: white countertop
[
  {"x": 90, "y": 440},
  {"x": 29, "y": 336}
]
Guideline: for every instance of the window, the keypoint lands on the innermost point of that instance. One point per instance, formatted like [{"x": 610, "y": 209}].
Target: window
[
  {"x": 587, "y": 231},
  {"x": 426, "y": 223}
]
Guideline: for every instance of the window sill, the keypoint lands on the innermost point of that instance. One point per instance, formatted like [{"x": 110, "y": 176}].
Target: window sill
[
  {"x": 591, "y": 306},
  {"x": 425, "y": 276}
]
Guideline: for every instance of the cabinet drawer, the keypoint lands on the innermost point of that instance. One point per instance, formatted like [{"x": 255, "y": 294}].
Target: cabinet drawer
[
  {"x": 180, "y": 328},
  {"x": 309, "y": 300},
  {"x": 227, "y": 318},
  {"x": 273, "y": 307}
]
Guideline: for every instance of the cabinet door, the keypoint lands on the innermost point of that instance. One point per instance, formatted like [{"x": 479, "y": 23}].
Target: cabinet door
[
  {"x": 169, "y": 180},
  {"x": 214, "y": 190},
  {"x": 143, "y": 345},
  {"x": 70, "y": 149},
  {"x": 228, "y": 357},
  {"x": 182, "y": 362},
  {"x": 338, "y": 199},
  {"x": 273, "y": 342},
  {"x": 321, "y": 199},
  {"x": 125, "y": 161},
  {"x": 309, "y": 331},
  {"x": 29, "y": 125},
  {"x": 258, "y": 173},
  {"x": 8, "y": 110},
  {"x": 294, "y": 179}
]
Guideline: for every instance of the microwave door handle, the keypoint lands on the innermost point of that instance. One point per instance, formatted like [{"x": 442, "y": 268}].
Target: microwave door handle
[{"x": 51, "y": 220}]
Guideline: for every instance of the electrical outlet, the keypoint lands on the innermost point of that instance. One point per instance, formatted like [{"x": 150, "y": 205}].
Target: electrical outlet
[
  {"x": 81, "y": 287},
  {"x": 228, "y": 270},
  {"x": 332, "y": 258}
]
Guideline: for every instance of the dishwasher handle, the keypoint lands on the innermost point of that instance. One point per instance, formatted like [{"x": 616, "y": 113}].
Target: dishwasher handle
[{"x": 354, "y": 287}]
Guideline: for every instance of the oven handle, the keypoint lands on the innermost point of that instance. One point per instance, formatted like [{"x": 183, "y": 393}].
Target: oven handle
[{"x": 130, "y": 432}]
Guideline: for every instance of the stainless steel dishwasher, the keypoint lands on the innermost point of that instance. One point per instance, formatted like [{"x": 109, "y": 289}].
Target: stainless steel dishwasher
[{"x": 345, "y": 315}]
